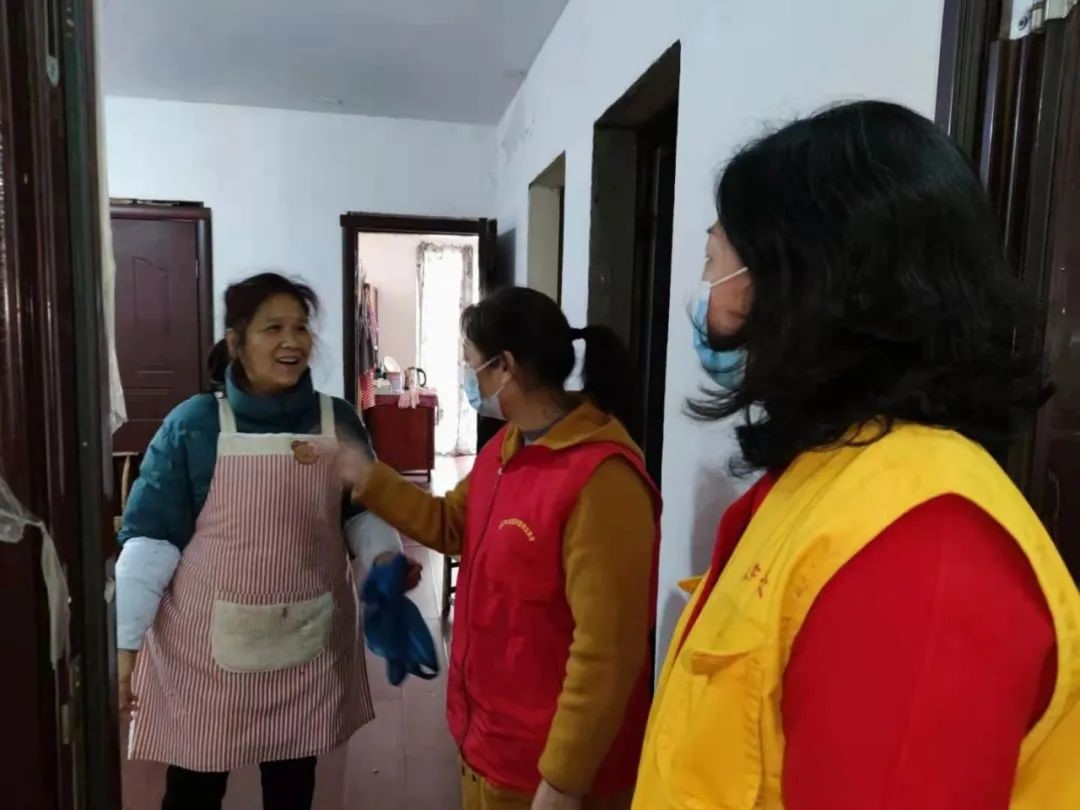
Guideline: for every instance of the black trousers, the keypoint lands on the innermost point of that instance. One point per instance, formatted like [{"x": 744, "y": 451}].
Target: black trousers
[{"x": 288, "y": 785}]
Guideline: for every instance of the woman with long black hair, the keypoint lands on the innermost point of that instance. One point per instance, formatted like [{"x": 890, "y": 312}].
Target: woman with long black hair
[
  {"x": 557, "y": 530},
  {"x": 885, "y": 623},
  {"x": 236, "y": 609}
]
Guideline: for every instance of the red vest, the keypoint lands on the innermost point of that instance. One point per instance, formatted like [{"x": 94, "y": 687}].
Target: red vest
[{"x": 512, "y": 623}]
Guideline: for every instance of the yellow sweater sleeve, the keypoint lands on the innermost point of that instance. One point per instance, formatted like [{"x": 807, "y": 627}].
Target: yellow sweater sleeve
[
  {"x": 608, "y": 548},
  {"x": 435, "y": 522}
]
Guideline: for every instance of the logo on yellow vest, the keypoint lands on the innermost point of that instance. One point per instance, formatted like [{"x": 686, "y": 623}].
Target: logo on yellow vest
[
  {"x": 518, "y": 524},
  {"x": 757, "y": 573}
]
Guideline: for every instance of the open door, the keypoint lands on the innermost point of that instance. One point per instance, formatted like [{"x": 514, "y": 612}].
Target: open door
[
  {"x": 1009, "y": 93},
  {"x": 60, "y": 722},
  {"x": 493, "y": 274},
  {"x": 630, "y": 243},
  {"x": 652, "y": 278}
]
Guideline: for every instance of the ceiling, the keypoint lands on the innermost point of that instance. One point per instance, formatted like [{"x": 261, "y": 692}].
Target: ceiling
[{"x": 439, "y": 60}]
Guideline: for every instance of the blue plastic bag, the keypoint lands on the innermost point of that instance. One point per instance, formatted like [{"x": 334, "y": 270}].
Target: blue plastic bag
[{"x": 393, "y": 626}]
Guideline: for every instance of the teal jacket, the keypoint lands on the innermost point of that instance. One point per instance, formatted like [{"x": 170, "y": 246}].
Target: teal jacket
[{"x": 176, "y": 472}]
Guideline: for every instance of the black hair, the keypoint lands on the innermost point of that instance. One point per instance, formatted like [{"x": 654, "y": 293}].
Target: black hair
[
  {"x": 532, "y": 328},
  {"x": 881, "y": 292},
  {"x": 242, "y": 301}
]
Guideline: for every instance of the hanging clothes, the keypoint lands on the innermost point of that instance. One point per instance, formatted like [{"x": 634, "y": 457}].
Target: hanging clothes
[
  {"x": 368, "y": 339},
  {"x": 117, "y": 405},
  {"x": 367, "y": 389}
]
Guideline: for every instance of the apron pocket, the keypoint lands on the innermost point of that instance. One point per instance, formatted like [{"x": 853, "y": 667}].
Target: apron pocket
[{"x": 267, "y": 638}]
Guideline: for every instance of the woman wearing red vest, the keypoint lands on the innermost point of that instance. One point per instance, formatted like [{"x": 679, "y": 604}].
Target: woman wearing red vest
[
  {"x": 557, "y": 531},
  {"x": 886, "y": 623}
]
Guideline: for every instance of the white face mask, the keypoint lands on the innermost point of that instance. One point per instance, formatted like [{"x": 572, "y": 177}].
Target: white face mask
[
  {"x": 485, "y": 406},
  {"x": 727, "y": 367}
]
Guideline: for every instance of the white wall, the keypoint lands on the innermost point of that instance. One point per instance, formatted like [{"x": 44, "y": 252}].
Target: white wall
[
  {"x": 545, "y": 208},
  {"x": 278, "y": 181},
  {"x": 745, "y": 65},
  {"x": 389, "y": 261}
]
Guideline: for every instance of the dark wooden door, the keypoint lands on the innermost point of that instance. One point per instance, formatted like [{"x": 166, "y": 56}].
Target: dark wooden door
[
  {"x": 630, "y": 241},
  {"x": 159, "y": 342},
  {"x": 1056, "y": 463},
  {"x": 59, "y": 736},
  {"x": 652, "y": 280},
  {"x": 1014, "y": 107}
]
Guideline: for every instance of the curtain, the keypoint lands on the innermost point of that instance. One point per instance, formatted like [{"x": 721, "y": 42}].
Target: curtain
[
  {"x": 117, "y": 407},
  {"x": 446, "y": 285},
  {"x": 367, "y": 337}
]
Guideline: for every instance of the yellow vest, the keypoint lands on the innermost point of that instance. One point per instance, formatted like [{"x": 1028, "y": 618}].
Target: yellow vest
[{"x": 715, "y": 739}]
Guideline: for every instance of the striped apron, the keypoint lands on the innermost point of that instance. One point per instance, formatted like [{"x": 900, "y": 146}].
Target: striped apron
[{"x": 256, "y": 652}]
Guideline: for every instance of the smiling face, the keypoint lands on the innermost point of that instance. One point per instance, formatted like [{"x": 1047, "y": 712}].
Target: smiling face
[{"x": 275, "y": 347}]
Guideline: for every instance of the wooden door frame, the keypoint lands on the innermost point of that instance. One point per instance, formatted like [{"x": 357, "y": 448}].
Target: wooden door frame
[
  {"x": 1002, "y": 101},
  {"x": 1063, "y": 264},
  {"x": 651, "y": 301},
  {"x": 968, "y": 28},
  {"x": 54, "y": 430},
  {"x": 645, "y": 114},
  {"x": 39, "y": 768},
  {"x": 98, "y": 737},
  {"x": 355, "y": 223},
  {"x": 198, "y": 213}
]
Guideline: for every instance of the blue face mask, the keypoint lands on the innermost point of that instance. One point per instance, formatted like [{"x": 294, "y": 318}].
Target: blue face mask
[
  {"x": 485, "y": 406},
  {"x": 725, "y": 367}
]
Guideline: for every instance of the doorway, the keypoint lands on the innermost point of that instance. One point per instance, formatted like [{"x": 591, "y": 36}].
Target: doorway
[
  {"x": 401, "y": 251},
  {"x": 547, "y": 203},
  {"x": 413, "y": 290},
  {"x": 634, "y": 157}
]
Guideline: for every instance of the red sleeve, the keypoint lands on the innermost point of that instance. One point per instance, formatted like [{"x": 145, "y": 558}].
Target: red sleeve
[{"x": 919, "y": 670}]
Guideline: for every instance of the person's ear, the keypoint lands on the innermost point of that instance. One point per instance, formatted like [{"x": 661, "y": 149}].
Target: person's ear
[
  {"x": 232, "y": 340},
  {"x": 509, "y": 364}
]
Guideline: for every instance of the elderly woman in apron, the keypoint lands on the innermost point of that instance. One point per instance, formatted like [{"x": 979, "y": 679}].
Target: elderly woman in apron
[{"x": 234, "y": 583}]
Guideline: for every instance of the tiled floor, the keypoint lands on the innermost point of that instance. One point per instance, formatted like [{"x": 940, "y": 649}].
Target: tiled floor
[{"x": 404, "y": 760}]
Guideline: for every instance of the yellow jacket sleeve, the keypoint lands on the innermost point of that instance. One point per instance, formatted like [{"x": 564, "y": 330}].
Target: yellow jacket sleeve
[
  {"x": 435, "y": 522},
  {"x": 608, "y": 549}
]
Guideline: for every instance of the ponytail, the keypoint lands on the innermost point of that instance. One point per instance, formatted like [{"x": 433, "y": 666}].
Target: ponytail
[
  {"x": 609, "y": 376},
  {"x": 533, "y": 328},
  {"x": 217, "y": 363}
]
